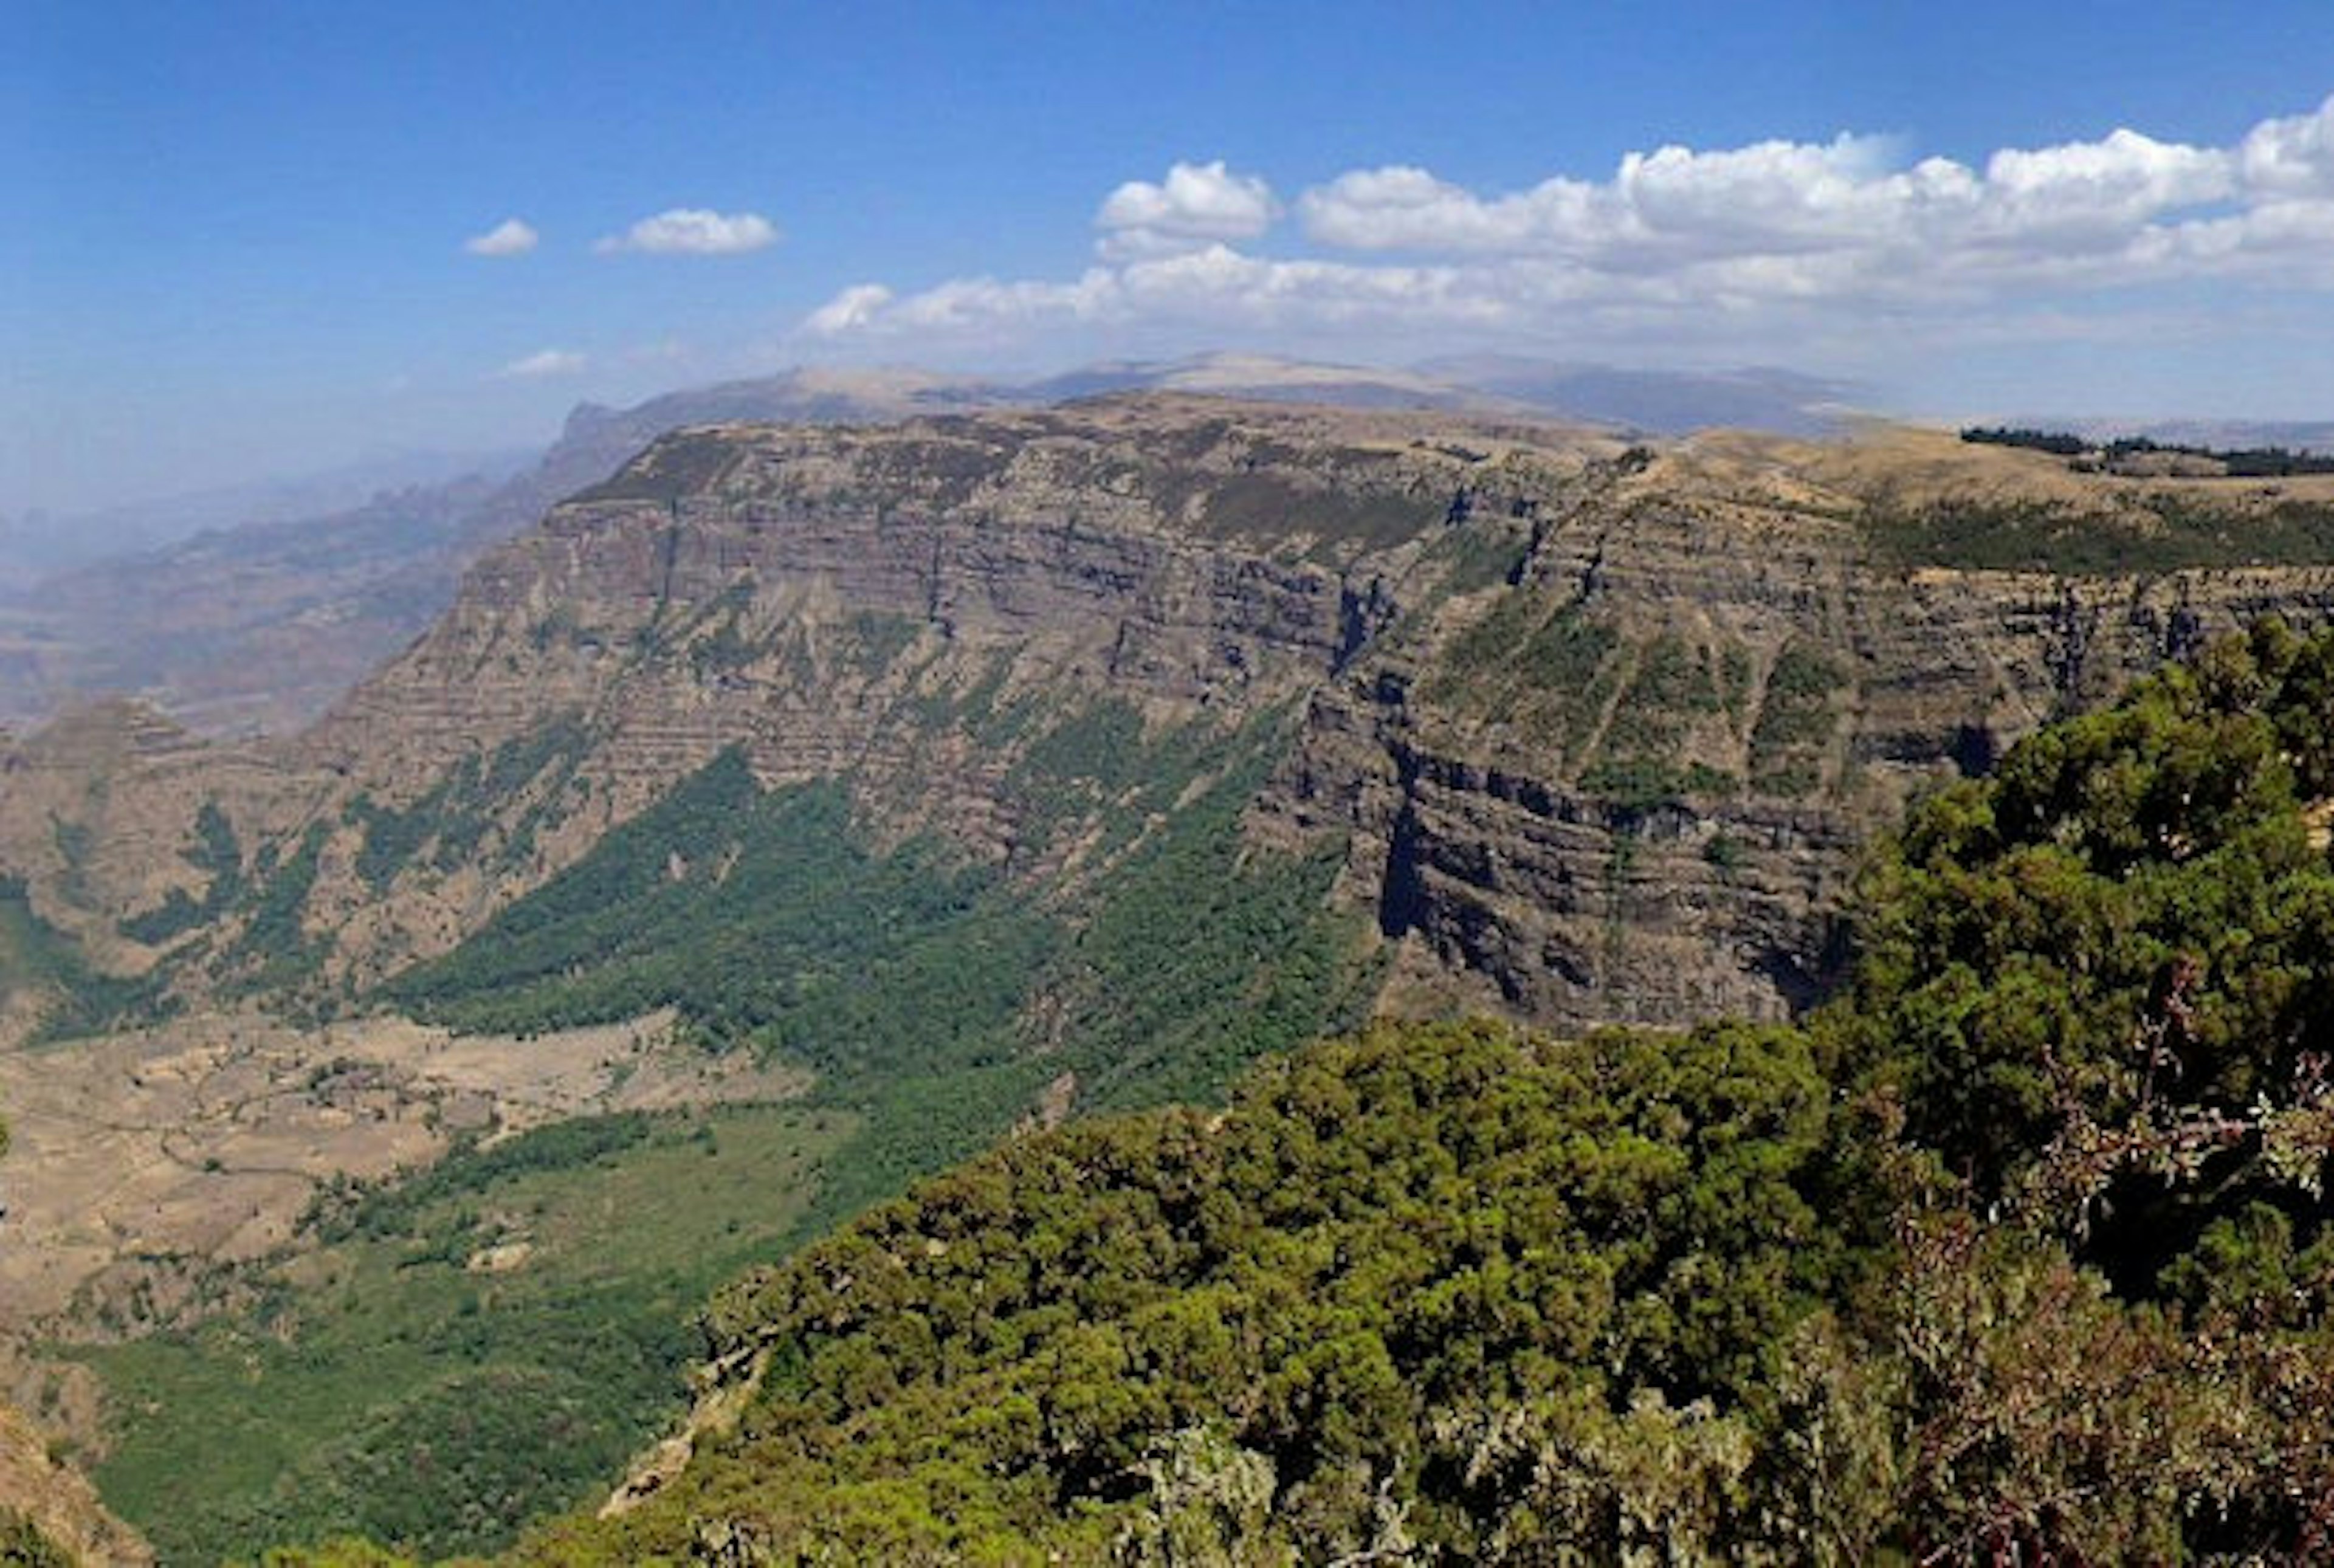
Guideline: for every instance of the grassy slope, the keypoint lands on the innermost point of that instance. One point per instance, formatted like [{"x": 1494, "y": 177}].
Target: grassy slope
[
  {"x": 913, "y": 984},
  {"x": 26, "y": 963},
  {"x": 380, "y": 1386},
  {"x": 2141, "y": 529},
  {"x": 909, "y": 981},
  {"x": 36, "y": 960}
]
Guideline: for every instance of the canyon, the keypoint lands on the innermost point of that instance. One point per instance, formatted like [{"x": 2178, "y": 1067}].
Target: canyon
[{"x": 1089, "y": 750}]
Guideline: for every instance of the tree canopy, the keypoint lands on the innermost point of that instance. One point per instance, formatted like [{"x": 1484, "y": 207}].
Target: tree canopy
[{"x": 2020, "y": 1250}]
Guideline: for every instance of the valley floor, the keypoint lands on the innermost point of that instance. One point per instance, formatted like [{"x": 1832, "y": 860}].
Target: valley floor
[
  {"x": 199, "y": 1245},
  {"x": 206, "y": 1137}
]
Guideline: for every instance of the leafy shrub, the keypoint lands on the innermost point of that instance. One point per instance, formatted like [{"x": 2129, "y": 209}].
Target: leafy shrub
[{"x": 2021, "y": 1251}]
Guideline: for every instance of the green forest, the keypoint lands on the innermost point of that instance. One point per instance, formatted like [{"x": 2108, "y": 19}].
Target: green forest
[
  {"x": 2017, "y": 1251},
  {"x": 371, "y": 1377},
  {"x": 913, "y": 983}
]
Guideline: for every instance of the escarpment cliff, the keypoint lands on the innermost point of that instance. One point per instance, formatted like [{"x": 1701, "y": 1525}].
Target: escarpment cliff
[
  {"x": 1630, "y": 783},
  {"x": 1595, "y": 729},
  {"x": 909, "y": 608}
]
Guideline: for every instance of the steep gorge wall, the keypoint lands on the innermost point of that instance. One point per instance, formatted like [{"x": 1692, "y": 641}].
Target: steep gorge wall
[
  {"x": 908, "y": 609},
  {"x": 1601, "y": 729},
  {"x": 1519, "y": 871}
]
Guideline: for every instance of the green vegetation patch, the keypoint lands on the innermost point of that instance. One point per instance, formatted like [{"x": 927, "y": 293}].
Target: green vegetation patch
[
  {"x": 933, "y": 998},
  {"x": 276, "y": 950},
  {"x": 76, "y": 845},
  {"x": 2155, "y": 530},
  {"x": 1640, "y": 783},
  {"x": 38, "y": 960},
  {"x": 1555, "y": 675},
  {"x": 1267, "y": 506},
  {"x": 447, "y": 824},
  {"x": 1549, "y": 671},
  {"x": 1798, "y": 715},
  {"x": 742, "y": 909},
  {"x": 175, "y": 916},
  {"x": 2023, "y": 1250},
  {"x": 1482, "y": 552},
  {"x": 1192, "y": 954},
  {"x": 1672, "y": 687},
  {"x": 386, "y": 1386},
  {"x": 34, "y": 956},
  {"x": 876, "y": 639}
]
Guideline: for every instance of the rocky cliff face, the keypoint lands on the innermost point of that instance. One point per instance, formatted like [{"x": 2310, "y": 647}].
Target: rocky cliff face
[
  {"x": 906, "y": 608},
  {"x": 1599, "y": 727},
  {"x": 1630, "y": 783},
  {"x": 260, "y": 628}
]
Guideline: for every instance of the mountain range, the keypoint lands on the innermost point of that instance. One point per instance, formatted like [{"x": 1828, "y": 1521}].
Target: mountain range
[
  {"x": 792, "y": 809},
  {"x": 251, "y": 609}
]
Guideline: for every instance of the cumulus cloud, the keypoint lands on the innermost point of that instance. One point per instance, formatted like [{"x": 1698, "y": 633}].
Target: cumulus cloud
[
  {"x": 1197, "y": 205},
  {"x": 2291, "y": 158},
  {"x": 511, "y": 236},
  {"x": 694, "y": 231},
  {"x": 1852, "y": 196},
  {"x": 854, "y": 307},
  {"x": 1213, "y": 286},
  {"x": 542, "y": 366},
  {"x": 1764, "y": 234}
]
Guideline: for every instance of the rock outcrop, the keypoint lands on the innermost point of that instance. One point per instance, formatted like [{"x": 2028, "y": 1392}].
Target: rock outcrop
[
  {"x": 47, "y": 1503},
  {"x": 1601, "y": 727}
]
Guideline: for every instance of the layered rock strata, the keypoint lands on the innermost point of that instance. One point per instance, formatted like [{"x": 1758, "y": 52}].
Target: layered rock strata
[{"x": 1601, "y": 727}]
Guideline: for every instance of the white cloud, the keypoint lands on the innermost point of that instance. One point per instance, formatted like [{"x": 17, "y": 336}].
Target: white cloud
[
  {"x": 854, "y": 307},
  {"x": 542, "y": 366},
  {"x": 511, "y": 236},
  {"x": 1197, "y": 205},
  {"x": 694, "y": 231},
  {"x": 2094, "y": 197},
  {"x": 1679, "y": 208},
  {"x": 1214, "y": 286},
  {"x": 2292, "y": 156},
  {"x": 1402, "y": 207},
  {"x": 1766, "y": 241}
]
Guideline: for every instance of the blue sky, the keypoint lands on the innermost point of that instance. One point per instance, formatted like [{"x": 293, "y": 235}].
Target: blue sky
[{"x": 233, "y": 235}]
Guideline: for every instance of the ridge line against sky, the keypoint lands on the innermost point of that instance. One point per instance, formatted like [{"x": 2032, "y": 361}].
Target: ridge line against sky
[{"x": 248, "y": 238}]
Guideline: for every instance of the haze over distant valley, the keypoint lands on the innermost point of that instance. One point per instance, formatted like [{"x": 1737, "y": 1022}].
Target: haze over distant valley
[
  {"x": 259, "y": 627},
  {"x": 1139, "y": 786},
  {"x": 202, "y": 292}
]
